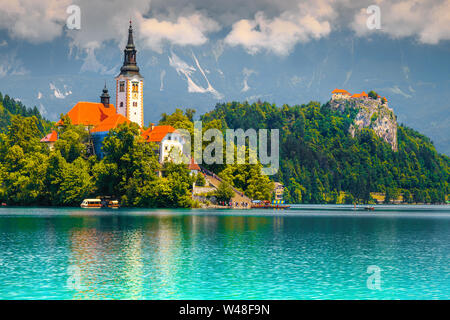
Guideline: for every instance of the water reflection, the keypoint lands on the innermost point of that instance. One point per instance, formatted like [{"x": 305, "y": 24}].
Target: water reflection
[{"x": 177, "y": 255}]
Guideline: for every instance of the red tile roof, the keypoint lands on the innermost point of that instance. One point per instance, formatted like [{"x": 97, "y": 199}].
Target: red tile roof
[
  {"x": 157, "y": 133},
  {"x": 89, "y": 113},
  {"x": 193, "y": 165},
  {"x": 341, "y": 91},
  {"x": 110, "y": 123},
  {"x": 359, "y": 95},
  {"x": 51, "y": 137}
]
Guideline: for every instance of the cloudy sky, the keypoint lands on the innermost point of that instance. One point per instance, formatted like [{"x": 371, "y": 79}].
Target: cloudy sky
[{"x": 196, "y": 53}]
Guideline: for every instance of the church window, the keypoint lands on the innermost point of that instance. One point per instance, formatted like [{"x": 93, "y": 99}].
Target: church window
[
  {"x": 134, "y": 104},
  {"x": 135, "y": 86},
  {"x": 122, "y": 86},
  {"x": 121, "y": 104}
]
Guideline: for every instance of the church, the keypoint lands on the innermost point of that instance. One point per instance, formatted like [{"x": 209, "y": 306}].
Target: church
[{"x": 100, "y": 117}]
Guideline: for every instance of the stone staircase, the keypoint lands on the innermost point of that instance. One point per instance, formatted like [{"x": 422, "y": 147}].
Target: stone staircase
[{"x": 215, "y": 181}]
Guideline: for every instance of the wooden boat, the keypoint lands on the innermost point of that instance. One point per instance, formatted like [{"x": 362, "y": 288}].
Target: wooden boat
[
  {"x": 91, "y": 203},
  {"x": 114, "y": 204},
  {"x": 257, "y": 204},
  {"x": 100, "y": 203}
]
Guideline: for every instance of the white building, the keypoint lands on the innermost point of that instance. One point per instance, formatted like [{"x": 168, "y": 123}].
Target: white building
[
  {"x": 340, "y": 94},
  {"x": 168, "y": 139},
  {"x": 130, "y": 85}
]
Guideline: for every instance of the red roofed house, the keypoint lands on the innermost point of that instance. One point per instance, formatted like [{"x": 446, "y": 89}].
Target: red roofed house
[
  {"x": 340, "y": 94},
  {"x": 362, "y": 95},
  {"x": 110, "y": 123},
  {"x": 100, "y": 118},
  {"x": 89, "y": 114},
  {"x": 194, "y": 167},
  {"x": 167, "y": 138},
  {"x": 50, "y": 139}
]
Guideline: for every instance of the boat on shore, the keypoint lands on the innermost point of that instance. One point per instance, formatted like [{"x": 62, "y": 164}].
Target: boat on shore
[
  {"x": 100, "y": 203},
  {"x": 266, "y": 204}
]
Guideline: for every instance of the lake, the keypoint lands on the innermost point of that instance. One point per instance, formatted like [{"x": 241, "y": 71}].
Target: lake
[{"x": 308, "y": 252}]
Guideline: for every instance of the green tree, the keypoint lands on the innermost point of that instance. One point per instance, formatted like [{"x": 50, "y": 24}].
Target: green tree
[
  {"x": 72, "y": 142},
  {"x": 224, "y": 192},
  {"x": 24, "y": 132},
  {"x": 372, "y": 94},
  {"x": 200, "y": 180}
]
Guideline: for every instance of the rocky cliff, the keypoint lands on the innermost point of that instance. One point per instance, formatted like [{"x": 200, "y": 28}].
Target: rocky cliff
[{"x": 374, "y": 114}]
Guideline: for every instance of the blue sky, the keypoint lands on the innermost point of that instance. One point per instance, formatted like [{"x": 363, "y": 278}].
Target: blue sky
[{"x": 197, "y": 53}]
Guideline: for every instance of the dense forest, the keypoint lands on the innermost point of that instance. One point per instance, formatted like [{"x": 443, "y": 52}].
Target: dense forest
[
  {"x": 320, "y": 161},
  {"x": 32, "y": 174},
  {"x": 9, "y": 107}
]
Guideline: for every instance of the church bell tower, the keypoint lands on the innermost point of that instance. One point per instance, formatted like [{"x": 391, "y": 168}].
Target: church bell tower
[{"x": 129, "y": 85}]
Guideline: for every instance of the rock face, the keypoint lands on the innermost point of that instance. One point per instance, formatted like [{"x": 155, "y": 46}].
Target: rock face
[{"x": 374, "y": 114}]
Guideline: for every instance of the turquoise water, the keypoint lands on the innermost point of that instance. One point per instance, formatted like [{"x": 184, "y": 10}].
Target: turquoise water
[{"x": 308, "y": 252}]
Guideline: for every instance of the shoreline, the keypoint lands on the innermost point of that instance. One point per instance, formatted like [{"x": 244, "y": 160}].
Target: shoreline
[{"x": 218, "y": 207}]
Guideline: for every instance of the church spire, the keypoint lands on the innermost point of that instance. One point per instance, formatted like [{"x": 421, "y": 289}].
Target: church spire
[
  {"x": 130, "y": 43},
  {"x": 104, "y": 98},
  {"x": 129, "y": 63},
  {"x": 130, "y": 85}
]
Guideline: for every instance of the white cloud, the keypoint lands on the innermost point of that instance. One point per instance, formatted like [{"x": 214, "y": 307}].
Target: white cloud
[
  {"x": 348, "y": 75},
  {"x": 398, "y": 91},
  {"x": 295, "y": 80},
  {"x": 247, "y": 73},
  {"x": 4, "y": 43},
  {"x": 161, "y": 77},
  {"x": 257, "y": 26},
  {"x": 34, "y": 21},
  {"x": 428, "y": 21},
  {"x": 39, "y": 96},
  {"x": 60, "y": 94},
  {"x": 92, "y": 64},
  {"x": 102, "y": 21},
  {"x": 280, "y": 34},
  {"x": 189, "y": 30},
  {"x": 42, "y": 109},
  {"x": 10, "y": 65},
  {"x": 218, "y": 49}
]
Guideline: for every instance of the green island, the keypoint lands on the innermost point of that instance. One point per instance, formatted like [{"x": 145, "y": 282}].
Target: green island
[{"x": 323, "y": 159}]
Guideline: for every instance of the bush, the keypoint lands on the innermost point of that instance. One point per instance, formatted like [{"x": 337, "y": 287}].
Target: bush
[
  {"x": 224, "y": 192},
  {"x": 372, "y": 94},
  {"x": 200, "y": 180}
]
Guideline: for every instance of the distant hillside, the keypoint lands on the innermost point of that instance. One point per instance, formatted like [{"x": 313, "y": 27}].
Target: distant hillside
[
  {"x": 9, "y": 107},
  {"x": 320, "y": 160}
]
